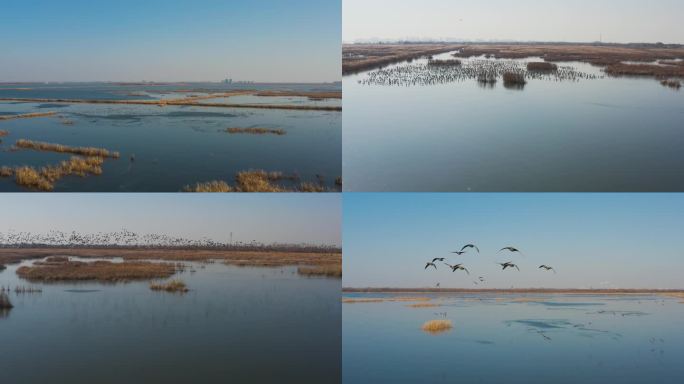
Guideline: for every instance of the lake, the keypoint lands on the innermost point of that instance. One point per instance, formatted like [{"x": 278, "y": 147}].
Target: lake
[
  {"x": 164, "y": 149},
  {"x": 236, "y": 324},
  {"x": 593, "y": 133},
  {"x": 551, "y": 339}
]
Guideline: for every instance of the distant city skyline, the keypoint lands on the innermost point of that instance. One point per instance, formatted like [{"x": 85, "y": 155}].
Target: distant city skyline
[
  {"x": 610, "y": 21},
  {"x": 592, "y": 240},
  {"x": 170, "y": 41},
  {"x": 266, "y": 218}
]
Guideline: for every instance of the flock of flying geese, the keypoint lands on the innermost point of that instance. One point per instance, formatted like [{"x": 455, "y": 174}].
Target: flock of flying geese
[{"x": 466, "y": 248}]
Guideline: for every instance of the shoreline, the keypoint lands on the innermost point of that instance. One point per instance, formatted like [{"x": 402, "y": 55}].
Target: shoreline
[{"x": 512, "y": 291}]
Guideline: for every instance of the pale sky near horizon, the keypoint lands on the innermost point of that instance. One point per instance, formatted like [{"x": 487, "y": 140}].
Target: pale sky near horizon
[
  {"x": 621, "y": 21},
  {"x": 170, "y": 40},
  {"x": 266, "y": 218},
  {"x": 592, "y": 240}
]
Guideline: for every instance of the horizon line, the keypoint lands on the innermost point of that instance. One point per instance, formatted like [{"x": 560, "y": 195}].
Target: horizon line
[{"x": 495, "y": 41}]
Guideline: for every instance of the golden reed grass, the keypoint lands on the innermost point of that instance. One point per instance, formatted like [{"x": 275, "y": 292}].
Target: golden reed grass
[
  {"x": 321, "y": 270},
  {"x": 437, "y": 326},
  {"x": 257, "y": 181},
  {"x": 44, "y": 179},
  {"x": 27, "y": 115},
  {"x": 171, "y": 286},
  {"x": 51, "y": 147},
  {"x": 97, "y": 270}
]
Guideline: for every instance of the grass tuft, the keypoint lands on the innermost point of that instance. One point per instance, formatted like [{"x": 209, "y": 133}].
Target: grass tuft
[
  {"x": 541, "y": 66},
  {"x": 209, "y": 186},
  {"x": 321, "y": 270},
  {"x": 256, "y": 131},
  {"x": 50, "y": 147},
  {"x": 171, "y": 286},
  {"x": 437, "y": 326}
]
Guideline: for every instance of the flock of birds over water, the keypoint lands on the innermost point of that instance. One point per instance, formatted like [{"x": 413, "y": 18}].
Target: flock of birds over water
[
  {"x": 484, "y": 71},
  {"x": 473, "y": 248},
  {"x": 126, "y": 238}
]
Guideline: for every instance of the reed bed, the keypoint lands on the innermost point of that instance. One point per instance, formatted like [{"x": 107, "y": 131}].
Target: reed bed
[
  {"x": 27, "y": 115},
  {"x": 514, "y": 79},
  {"x": 384, "y": 299},
  {"x": 310, "y": 95},
  {"x": 423, "y": 305},
  {"x": 6, "y": 172},
  {"x": 175, "y": 286},
  {"x": 103, "y": 271},
  {"x": 51, "y": 147},
  {"x": 671, "y": 83},
  {"x": 257, "y": 131},
  {"x": 541, "y": 66},
  {"x": 44, "y": 179},
  {"x": 209, "y": 187},
  {"x": 622, "y": 69},
  {"x": 257, "y": 181},
  {"x": 321, "y": 270},
  {"x": 444, "y": 63},
  {"x": 5, "y": 302},
  {"x": 437, "y": 326}
]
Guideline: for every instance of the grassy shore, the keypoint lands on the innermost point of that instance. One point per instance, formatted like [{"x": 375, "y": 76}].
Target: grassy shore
[
  {"x": 257, "y": 181},
  {"x": 437, "y": 326},
  {"x": 333, "y": 270},
  {"x": 363, "y": 57},
  {"x": 44, "y": 179}
]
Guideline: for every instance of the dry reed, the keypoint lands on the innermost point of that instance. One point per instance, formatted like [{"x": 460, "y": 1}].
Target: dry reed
[
  {"x": 97, "y": 270},
  {"x": 437, "y": 326},
  {"x": 27, "y": 115},
  {"x": 256, "y": 131},
  {"x": 50, "y": 147},
  {"x": 321, "y": 270},
  {"x": 171, "y": 286}
]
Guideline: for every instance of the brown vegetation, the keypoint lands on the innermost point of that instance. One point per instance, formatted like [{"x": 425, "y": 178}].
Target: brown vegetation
[
  {"x": 257, "y": 131},
  {"x": 310, "y": 95},
  {"x": 209, "y": 187},
  {"x": 437, "y": 326},
  {"x": 172, "y": 286},
  {"x": 3, "y": 133},
  {"x": 444, "y": 63},
  {"x": 266, "y": 258},
  {"x": 362, "y": 57},
  {"x": 622, "y": 69},
  {"x": 256, "y": 181},
  {"x": 541, "y": 66},
  {"x": 45, "y": 178},
  {"x": 515, "y": 291},
  {"x": 27, "y": 115},
  {"x": 187, "y": 101},
  {"x": 514, "y": 79},
  {"x": 50, "y": 147},
  {"x": 97, "y": 270},
  {"x": 423, "y": 305},
  {"x": 6, "y": 172},
  {"x": 383, "y": 299},
  {"x": 5, "y": 302},
  {"x": 333, "y": 270},
  {"x": 670, "y": 83}
]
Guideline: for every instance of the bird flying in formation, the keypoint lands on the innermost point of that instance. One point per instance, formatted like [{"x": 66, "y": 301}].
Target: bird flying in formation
[
  {"x": 438, "y": 259},
  {"x": 470, "y": 246},
  {"x": 430, "y": 264},
  {"x": 508, "y": 264},
  {"x": 546, "y": 267},
  {"x": 510, "y": 249},
  {"x": 459, "y": 252},
  {"x": 457, "y": 267}
]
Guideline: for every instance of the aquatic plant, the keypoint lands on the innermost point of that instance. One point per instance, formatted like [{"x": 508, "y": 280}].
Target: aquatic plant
[
  {"x": 437, "y": 326},
  {"x": 444, "y": 63},
  {"x": 671, "y": 83},
  {"x": 321, "y": 270},
  {"x": 541, "y": 66},
  {"x": 27, "y": 115},
  {"x": 338, "y": 181},
  {"x": 256, "y": 131},
  {"x": 513, "y": 79},
  {"x": 5, "y": 302},
  {"x": 6, "y": 172},
  {"x": 50, "y": 147},
  {"x": 171, "y": 286},
  {"x": 45, "y": 178},
  {"x": 209, "y": 186},
  {"x": 97, "y": 270}
]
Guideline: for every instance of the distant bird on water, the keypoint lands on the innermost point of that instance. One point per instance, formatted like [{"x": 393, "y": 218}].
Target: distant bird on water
[
  {"x": 471, "y": 246},
  {"x": 546, "y": 267},
  {"x": 430, "y": 264},
  {"x": 457, "y": 267},
  {"x": 508, "y": 264}
]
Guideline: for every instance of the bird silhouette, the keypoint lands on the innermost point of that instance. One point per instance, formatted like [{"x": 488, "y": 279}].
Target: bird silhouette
[
  {"x": 470, "y": 246},
  {"x": 438, "y": 259},
  {"x": 459, "y": 252},
  {"x": 508, "y": 264},
  {"x": 457, "y": 267},
  {"x": 511, "y": 249},
  {"x": 430, "y": 264},
  {"x": 546, "y": 267}
]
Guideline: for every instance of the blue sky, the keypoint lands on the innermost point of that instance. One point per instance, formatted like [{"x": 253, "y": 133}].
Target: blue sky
[
  {"x": 287, "y": 218},
  {"x": 170, "y": 40},
  {"x": 540, "y": 20},
  {"x": 593, "y": 240}
]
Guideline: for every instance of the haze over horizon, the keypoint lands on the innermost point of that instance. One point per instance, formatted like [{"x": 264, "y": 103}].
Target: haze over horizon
[
  {"x": 266, "y": 218},
  {"x": 592, "y": 240},
  {"x": 501, "y": 20},
  {"x": 170, "y": 41}
]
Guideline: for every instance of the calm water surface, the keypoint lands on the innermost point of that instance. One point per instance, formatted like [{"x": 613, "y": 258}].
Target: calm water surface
[
  {"x": 607, "y": 134},
  {"x": 173, "y": 146},
  {"x": 556, "y": 339},
  {"x": 235, "y": 325}
]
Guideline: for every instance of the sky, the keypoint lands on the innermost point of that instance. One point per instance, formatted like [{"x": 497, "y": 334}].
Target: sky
[
  {"x": 619, "y": 21},
  {"x": 170, "y": 40},
  {"x": 266, "y": 218},
  {"x": 592, "y": 240}
]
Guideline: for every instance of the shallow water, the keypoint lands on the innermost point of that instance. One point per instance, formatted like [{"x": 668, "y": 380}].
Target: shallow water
[
  {"x": 556, "y": 339},
  {"x": 604, "y": 134},
  {"x": 235, "y": 325},
  {"x": 175, "y": 146}
]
